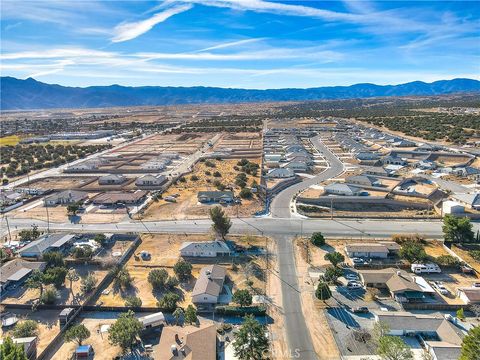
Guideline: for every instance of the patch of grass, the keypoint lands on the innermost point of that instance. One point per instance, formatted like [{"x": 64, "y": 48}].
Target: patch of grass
[{"x": 11, "y": 140}]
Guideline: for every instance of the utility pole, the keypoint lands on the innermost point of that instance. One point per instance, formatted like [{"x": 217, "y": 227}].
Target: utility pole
[
  {"x": 9, "y": 234},
  {"x": 48, "y": 219}
]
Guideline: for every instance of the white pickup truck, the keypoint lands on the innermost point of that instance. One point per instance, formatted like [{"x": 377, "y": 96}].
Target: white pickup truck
[{"x": 425, "y": 268}]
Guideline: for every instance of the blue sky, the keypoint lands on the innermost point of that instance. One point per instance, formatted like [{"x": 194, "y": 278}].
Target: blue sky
[{"x": 239, "y": 43}]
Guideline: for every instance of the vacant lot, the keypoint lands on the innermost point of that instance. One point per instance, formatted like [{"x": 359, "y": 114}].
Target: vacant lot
[
  {"x": 11, "y": 140},
  {"x": 187, "y": 206},
  {"x": 61, "y": 183}
]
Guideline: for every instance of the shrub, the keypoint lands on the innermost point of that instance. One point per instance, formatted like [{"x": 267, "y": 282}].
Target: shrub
[
  {"x": 217, "y": 174},
  {"x": 317, "y": 239},
  {"x": 447, "y": 260},
  {"x": 182, "y": 179},
  {"x": 157, "y": 278},
  {"x": 246, "y": 193},
  {"x": 168, "y": 302},
  {"x": 208, "y": 173},
  {"x": 194, "y": 178},
  {"x": 183, "y": 270},
  {"x": 242, "y": 298},
  {"x": 55, "y": 276},
  {"x": 210, "y": 163},
  {"x": 49, "y": 296},
  {"x": 133, "y": 301},
  {"x": 25, "y": 328},
  {"x": 88, "y": 283}
]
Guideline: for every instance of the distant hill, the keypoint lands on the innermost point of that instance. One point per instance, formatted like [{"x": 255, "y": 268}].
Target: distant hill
[{"x": 32, "y": 94}]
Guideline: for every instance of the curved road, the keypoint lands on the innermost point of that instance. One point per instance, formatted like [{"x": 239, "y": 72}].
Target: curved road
[{"x": 281, "y": 203}]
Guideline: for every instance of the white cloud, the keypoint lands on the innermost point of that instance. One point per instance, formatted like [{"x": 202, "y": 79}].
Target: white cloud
[
  {"x": 129, "y": 31},
  {"x": 231, "y": 44}
]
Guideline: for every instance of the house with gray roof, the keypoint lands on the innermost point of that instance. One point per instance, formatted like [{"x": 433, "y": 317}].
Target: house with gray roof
[
  {"x": 66, "y": 197},
  {"x": 280, "y": 173},
  {"x": 209, "y": 285},
  {"x": 205, "y": 249},
  {"x": 372, "y": 250},
  {"x": 112, "y": 179},
  {"x": 296, "y": 166},
  {"x": 402, "y": 286},
  {"x": 363, "y": 180},
  {"x": 441, "y": 338},
  {"x": 46, "y": 243},
  {"x": 15, "y": 272},
  {"x": 470, "y": 201},
  {"x": 222, "y": 197},
  {"x": 343, "y": 189},
  {"x": 149, "y": 180}
]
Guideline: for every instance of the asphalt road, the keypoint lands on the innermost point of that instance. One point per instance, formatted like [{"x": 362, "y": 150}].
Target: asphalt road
[{"x": 281, "y": 203}]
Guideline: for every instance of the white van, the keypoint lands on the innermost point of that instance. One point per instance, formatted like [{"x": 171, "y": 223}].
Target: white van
[{"x": 425, "y": 268}]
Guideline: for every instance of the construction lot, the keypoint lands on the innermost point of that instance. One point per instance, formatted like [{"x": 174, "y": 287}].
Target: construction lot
[
  {"x": 185, "y": 193},
  {"x": 165, "y": 252}
]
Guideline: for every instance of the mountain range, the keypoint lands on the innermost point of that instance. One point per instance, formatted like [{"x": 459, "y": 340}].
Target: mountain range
[{"x": 17, "y": 94}]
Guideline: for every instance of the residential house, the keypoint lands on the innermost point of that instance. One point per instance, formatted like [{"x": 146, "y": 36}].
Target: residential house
[
  {"x": 425, "y": 165},
  {"x": 46, "y": 243},
  {"x": 363, "y": 180},
  {"x": 394, "y": 160},
  {"x": 280, "y": 173},
  {"x": 470, "y": 201},
  {"x": 209, "y": 285},
  {"x": 120, "y": 197},
  {"x": 66, "y": 197},
  {"x": 15, "y": 272},
  {"x": 366, "y": 156},
  {"x": 296, "y": 166},
  {"x": 403, "y": 287},
  {"x": 112, "y": 179},
  {"x": 222, "y": 197},
  {"x": 188, "y": 343},
  {"x": 205, "y": 249},
  {"x": 380, "y": 250},
  {"x": 151, "y": 180},
  {"x": 468, "y": 172},
  {"x": 469, "y": 295},
  {"x": 441, "y": 338},
  {"x": 452, "y": 207},
  {"x": 376, "y": 170},
  {"x": 343, "y": 189},
  {"x": 403, "y": 143}
]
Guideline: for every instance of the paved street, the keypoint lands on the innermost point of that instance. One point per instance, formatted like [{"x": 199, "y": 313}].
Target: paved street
[{"x": 280, "y": 206}]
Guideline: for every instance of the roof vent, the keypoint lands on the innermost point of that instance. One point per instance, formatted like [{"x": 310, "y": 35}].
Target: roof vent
[{"x": 173, "y": 348}]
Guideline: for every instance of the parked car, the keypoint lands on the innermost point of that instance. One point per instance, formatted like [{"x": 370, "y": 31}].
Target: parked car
[
  {"x": 358, "y": 261},
  {"x": 438, "y": 285},
  {"x": 360, "y": 310},
  {"x": 351, "y": 277},
  {"x": 476, "y": 284},
  {"x": 354, "y": 285}
]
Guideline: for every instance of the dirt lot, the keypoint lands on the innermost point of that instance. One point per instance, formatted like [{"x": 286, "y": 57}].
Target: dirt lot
[
  {"x": 187, "y": 206},
  {"x": 98, "y": 339},
  {"x": 47, "y": 325},
  {"x": 61, "y": 183},
  {"x": 164, "y": 250},
  {"x": 59, "y": 214}
]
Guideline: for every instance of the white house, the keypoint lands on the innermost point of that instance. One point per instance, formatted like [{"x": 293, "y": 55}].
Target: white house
[
  {"x": 280, "y": 173},
  {"x": 296, "y": 166},
  {"x": 452, "y": 207},
  {"x": 151, "y": 180},
  {"x": 342, "y": 189},
  {"x": 372, "y": 250},
  {"x": 204, "y": 249},
  {"x": 209, "y": 285},
  {"x": 363, "y": 180},
  {"x": 112, "y": 179}
]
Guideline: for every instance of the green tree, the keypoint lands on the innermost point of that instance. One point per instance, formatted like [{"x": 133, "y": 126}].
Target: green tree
[
  {"x": 123, "y": 278},
  {"x": 246, "y": 193},
  {"x": 242, "y": 298},
  {"x": 380, "y": 329},
  {"x": 172, "y": 282},
  {"x": 183, "y": 270},
  {"x": 471, "y": 345},
  {"x": 55, "y": 276},
  {"x": 168, "y": 302},
  {"x": 72, "y": 209},
  {"x": 191, "y": 315},
  {"x": 133, "y": 301},
  {"x": 413, "y": 252},
  {"x": 335, "y": 258},
  {"x": 178, "y": 314},
  {"x": 323, "y": 292},
  {"x": 54, "y": 259},
  {"x": 124, "y": 331},
  {"x": 11, "y": 351},
  {"x": 457, "y": 229},
  {"x": 77, "y": 333},
  {"x": 461, "y": 314},
  {"x": 317, "y": 239},
  {"x": 221, "y": 222},
  {"x": 35, "y": 281},
  {"x": 158, "y": 278},
  {"x": 100, "y": 238},
  {"x": 332, "y": 274},
  {"x": 25, "y": 328},
  {"x": 393, "y": 348},
  {"x": 251, "y": 343},
  {"x": 88, "y": 283},
  {"x": 49, "y": 296}
]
